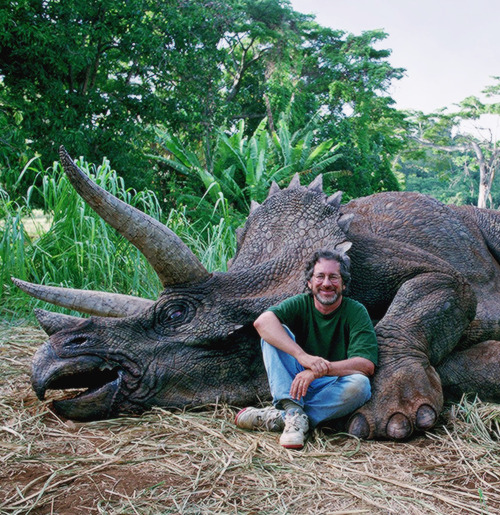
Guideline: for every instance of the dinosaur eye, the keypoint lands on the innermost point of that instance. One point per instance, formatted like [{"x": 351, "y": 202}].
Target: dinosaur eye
[{"x": 172, "y": 315}]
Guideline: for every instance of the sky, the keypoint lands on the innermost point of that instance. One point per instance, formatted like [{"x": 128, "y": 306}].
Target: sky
[{"x": 449, "y": 48}]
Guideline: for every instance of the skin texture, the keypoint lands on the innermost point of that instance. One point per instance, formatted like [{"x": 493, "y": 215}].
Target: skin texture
[{"x": 427, "y": 273}]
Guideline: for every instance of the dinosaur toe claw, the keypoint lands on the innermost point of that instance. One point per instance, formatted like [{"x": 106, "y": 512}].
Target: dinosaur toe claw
[
  {"x": 398, "y": 427},
  {"x": 358, "y": 426},
  {"x": 426, "y": 417}
]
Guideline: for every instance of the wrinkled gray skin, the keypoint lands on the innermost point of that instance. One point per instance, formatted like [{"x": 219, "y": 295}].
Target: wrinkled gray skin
[{"x": 428, "y": 274}]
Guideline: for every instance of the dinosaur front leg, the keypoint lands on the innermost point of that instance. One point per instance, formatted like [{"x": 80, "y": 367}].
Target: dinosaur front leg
[{"x": 423, "y": 324}]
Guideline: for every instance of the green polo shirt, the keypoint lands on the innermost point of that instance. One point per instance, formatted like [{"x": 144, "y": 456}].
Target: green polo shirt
[{"x": 346, "y": 333}]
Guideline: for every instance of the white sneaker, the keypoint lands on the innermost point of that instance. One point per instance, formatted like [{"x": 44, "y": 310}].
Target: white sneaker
[
  {"x": 268, "y": 419},
  {"x": 295, "y": 432}
]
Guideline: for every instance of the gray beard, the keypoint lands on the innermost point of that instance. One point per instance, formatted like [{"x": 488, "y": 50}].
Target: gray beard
[{"x": 327, "y": 302}]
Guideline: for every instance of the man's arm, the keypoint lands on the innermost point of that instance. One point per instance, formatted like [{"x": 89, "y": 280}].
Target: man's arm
[
  {"x": 345, "y": 367},
  {"x": 270, "y": 330},
  {"x": 355, "y": 365}
]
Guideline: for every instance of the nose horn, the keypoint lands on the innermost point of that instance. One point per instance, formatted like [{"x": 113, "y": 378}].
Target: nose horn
[{"x": 53, "y": 322}]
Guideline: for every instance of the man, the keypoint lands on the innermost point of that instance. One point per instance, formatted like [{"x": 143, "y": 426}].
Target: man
[{"x": 319, "y": 350}]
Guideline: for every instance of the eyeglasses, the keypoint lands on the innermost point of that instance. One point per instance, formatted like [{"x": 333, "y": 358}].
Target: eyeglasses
[{"x": 333, "y": 278}]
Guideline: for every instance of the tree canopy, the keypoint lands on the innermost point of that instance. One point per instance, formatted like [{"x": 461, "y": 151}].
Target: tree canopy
[
  {"x": 101, "y": 77},
  {"x": 124, "y": 79}
]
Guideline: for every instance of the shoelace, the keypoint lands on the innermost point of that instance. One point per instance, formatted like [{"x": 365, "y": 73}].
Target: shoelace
[{"x": 295, "y": 421}]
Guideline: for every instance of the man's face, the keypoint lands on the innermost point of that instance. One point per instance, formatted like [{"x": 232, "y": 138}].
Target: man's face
[{"x": 326, "y": 285}]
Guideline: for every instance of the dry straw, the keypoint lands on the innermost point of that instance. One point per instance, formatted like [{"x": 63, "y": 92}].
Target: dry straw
[{"x": 198, "y": 462}]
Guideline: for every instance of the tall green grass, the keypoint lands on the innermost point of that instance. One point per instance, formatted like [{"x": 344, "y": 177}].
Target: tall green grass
[
  {"x": 79, "y": 250},
  {"x": 13, "y": 242}
]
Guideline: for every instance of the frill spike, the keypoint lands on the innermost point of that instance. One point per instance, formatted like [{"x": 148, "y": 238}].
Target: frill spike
[
  {"x": 343, "y": 247},
  {"x": 295, "y": 182},
  {"x": 345, "y": 221},
  {"x": 335, "y": 199},
  {"x": 273, "y": 189},
  {"x": 253, "y": 206},
  {"x": 317, "y": 184}
]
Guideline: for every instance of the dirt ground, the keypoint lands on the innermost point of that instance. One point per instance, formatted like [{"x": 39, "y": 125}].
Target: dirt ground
[{"x": 199, "y": 462}]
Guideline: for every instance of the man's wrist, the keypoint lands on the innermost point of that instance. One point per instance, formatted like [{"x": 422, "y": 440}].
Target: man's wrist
[{"x": 300, "y": 355}]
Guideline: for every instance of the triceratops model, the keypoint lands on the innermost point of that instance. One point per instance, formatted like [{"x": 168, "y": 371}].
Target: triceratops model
[{"x": 428, "y": 274}]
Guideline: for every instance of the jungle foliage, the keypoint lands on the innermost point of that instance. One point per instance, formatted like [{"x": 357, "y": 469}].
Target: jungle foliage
[
  {"x": 200, "y": 105},
  {"x": 103, "y": 77}
]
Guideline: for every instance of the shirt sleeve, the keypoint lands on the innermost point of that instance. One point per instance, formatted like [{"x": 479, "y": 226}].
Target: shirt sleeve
[
  {"x": 290, "y": 311},
  {"x": 362, "y": 338}
]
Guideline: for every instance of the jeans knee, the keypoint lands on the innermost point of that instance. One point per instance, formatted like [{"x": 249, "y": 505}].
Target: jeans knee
[{"x": 358, "y": 389}]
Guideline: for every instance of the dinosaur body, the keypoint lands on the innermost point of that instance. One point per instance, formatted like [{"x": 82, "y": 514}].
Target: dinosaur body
[{"x": 427, "y": 273}]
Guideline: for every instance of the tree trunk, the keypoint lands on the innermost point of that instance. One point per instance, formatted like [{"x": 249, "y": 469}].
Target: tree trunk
[
  {"x": 486, "y": 168},
  {"x": 270, "y": 119}
]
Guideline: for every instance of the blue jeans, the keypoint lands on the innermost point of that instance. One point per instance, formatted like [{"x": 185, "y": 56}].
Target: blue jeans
[{"x": 328, "y": 397}]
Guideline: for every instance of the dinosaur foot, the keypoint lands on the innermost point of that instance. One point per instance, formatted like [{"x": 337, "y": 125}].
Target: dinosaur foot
[{"x": 403, "y": 401}]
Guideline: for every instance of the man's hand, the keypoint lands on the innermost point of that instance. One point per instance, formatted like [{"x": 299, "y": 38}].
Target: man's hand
[
  {"x": 301, "y": 383},
  {"x": 318, "y": 365}
]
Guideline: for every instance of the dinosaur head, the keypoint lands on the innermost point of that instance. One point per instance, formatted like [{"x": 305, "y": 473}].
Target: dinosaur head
[
  {"x": 165, "y": 356},
  {"x": 196, "y": 344}
]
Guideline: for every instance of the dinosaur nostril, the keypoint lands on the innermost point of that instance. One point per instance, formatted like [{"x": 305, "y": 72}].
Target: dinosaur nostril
[{"x": 76, "y": 341}]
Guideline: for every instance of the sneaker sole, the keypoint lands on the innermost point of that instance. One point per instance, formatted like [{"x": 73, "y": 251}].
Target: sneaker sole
[
  {"x": 237, "y": 416},
  {"x": 292, "y": 446}
]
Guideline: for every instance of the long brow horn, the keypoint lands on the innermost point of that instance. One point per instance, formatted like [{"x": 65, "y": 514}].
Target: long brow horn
[
  {"x": 169, "y": 256},
  {"x": 87, "y": 301}
]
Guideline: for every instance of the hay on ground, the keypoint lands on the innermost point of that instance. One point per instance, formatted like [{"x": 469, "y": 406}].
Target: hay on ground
[{"x": 199, "y": 462}]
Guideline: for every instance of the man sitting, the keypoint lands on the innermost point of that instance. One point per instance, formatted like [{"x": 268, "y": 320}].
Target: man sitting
[{"x": 319, "y": 350}]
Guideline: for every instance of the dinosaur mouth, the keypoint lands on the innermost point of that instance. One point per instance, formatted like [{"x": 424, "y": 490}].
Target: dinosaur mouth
[{"x": 90, "y": 384}]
